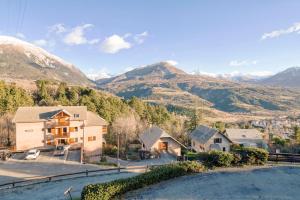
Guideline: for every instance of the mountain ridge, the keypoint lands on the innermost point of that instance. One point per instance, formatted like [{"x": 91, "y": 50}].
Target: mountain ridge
[
  {"x": 25, "y": 61},
  {"x": 221, "y": 94}
]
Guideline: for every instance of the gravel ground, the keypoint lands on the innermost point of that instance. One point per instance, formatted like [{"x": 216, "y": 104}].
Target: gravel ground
[
  {"x": 266, "y": 183},
  {"x": 55, "y": 190}
]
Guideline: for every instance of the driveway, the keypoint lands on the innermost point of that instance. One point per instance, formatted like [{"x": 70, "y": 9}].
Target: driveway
[
  {"x": 165, "y": 158},
  {"x": 46, "y": 164}
]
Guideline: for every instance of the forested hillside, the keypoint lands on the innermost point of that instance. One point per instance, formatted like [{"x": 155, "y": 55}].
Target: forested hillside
[{"x": 131, "y": 116}]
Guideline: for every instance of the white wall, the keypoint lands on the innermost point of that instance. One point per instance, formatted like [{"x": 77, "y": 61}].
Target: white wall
[
  {"x": 206, "y": 147},
  {"x": 93, "y": 147},
  {"x": 29, "y": 135}
]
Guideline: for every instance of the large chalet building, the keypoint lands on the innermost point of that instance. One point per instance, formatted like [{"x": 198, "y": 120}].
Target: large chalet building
[{"x": 55, "y": 125}]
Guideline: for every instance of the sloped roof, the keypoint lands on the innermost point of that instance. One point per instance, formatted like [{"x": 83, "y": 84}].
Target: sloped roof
[
  {"x": 244, "y": 135},
  {"x": 94, "y": 120},
  {"x": 44, "y": 113},
  {"x": 203, "y": 133},
  {"x": 154, "y": 133}
]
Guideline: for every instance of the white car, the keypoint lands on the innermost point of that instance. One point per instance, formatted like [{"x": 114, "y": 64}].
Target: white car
[{"x": 32, "y": 154}]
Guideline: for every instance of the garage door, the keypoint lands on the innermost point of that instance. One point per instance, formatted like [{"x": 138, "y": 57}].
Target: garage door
[{"x": 163, "y": 146}]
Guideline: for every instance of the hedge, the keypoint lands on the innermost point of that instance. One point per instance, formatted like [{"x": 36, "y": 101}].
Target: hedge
[
  {"x": 110, "y": 190},
  {"x": 251, "y": 155},
  {"x": 237, "y": 156},
  {"x": 218, "y": 159}
]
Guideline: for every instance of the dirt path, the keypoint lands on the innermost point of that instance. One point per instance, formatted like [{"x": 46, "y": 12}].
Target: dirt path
[{"x": 262, "y": 183}]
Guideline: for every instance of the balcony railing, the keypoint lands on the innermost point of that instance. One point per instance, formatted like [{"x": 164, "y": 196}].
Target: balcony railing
[
  {"x": 61, "y": 135},
  {"x": 57, "y": 124}
]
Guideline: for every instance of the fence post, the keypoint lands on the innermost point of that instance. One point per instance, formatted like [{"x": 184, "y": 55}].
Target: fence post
[
  {"x": 119, "y": 169},
  {"x": 49, "y": 179},
  {"x": 87, "y": 172}
]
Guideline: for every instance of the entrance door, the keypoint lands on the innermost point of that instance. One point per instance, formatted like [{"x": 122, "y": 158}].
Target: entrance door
[{"x": 163, "y": 146}]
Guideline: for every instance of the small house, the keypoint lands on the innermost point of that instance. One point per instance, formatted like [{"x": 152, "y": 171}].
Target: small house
[
  {"x": 246, "y": 137},
  {"x": 205, "y": 139},
  {"x": 155, "y": 139}
]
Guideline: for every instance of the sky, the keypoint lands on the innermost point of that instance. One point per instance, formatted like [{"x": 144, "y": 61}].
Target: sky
[{"x": 110, "y": 37}]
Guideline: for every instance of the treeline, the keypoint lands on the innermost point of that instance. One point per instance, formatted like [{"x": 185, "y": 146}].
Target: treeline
[{"x": 52, "y": 94}]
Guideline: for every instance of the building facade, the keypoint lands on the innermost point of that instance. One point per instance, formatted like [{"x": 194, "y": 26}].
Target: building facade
[
  {"x": 154, "y": 139},
  {"x": 205, "y": 139},
  {"x": 43, "y": 127}
]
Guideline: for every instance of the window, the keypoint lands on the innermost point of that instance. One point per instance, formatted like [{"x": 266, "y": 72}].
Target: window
[
  {"x": 104, "y": 129},
  {"x": 224, "y": 148},
  {"x": 91, "y": 138},
  {"x": 65, "y": 129},
  {"x": 49, "y": 130},
  {"x": 76, "y": 115},
  {"x": 76, "y": 129},
  {"x": 218, "y": 140}
]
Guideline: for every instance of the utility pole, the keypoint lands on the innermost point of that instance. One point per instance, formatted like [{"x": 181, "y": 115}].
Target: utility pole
[{"x": 118, "y": 152}]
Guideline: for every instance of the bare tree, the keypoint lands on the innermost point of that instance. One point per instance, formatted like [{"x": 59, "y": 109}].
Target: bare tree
[{"x": 7, "y": 131}]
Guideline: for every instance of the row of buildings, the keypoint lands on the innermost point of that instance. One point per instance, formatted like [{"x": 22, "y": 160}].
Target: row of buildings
[{"x": 48, "y": 127}]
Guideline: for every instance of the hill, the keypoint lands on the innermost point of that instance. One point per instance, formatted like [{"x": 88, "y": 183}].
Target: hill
[
  {"x": 164, "y": 83},
  {"x": 287, "y": 78},
  {"x": 20, "y": 60}
]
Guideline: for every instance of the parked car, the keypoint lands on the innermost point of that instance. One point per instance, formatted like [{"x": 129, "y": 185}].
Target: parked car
[
  {"x": 60, "y": 150},
  {"x": 32, "y": 154},
  {"x": 5, "y": 154}
]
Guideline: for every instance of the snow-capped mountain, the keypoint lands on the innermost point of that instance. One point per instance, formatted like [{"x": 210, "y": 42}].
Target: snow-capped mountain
[{"x": 23, "y": 60}]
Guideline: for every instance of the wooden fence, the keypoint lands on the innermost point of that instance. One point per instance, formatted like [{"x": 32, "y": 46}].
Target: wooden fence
[
  {"x": 44, "y": 179},
  {"x": 284, "y": 157}
]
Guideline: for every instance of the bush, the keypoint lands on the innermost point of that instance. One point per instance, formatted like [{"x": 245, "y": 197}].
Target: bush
[
  {"x": 218, "y": 159},
  {"x": 110, "y": 150},
  {"x": 251, "y": 155},
  {"x": 110, "y": 190}
]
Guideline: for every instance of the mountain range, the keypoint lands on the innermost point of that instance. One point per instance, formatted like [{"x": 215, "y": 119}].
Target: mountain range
[
  {"x": 161, "y": 82},
  {"x": 164, "y": 83}
]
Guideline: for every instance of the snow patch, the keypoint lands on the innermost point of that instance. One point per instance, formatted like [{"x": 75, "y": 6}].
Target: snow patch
[{"x": 40, "y": 55}]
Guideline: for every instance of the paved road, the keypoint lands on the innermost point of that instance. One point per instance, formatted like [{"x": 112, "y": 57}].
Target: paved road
[
  {"x": 277, "y": 183},
  {"x": 55, "y": 190}
]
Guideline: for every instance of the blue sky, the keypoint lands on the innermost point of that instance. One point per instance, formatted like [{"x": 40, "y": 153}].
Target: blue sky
[{"x": 100, "y": 37}]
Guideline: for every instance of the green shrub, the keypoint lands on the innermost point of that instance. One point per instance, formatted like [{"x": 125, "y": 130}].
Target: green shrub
[
  {"x": 110, "y": 190},
  {"x": 251, "y": 155},
  {"x": 218, "y": 159}
]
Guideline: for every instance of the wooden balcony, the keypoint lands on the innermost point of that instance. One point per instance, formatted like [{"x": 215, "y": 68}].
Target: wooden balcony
[{"x": 61, "y": 135}]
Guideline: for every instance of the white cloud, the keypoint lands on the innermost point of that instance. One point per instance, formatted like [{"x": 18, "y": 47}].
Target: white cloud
[
  {"x": 20, "y": 35},
  {"x": 44, "y": 43},
  {"x": 96, "y": 75},
  {"x": 234, "y": 74},
  {"x": 171, "y": 62},
  {"x": 235, "y": 63},
  {"x": 114, "y": 44},
  {"x": 77, "y": 37},
  {"x": 292, "y": 29},
  {"x": 57, "y": 28},
  {"x": 140, "y": 38}
]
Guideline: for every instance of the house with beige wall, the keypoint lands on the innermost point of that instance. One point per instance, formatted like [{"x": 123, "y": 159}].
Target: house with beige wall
[
  {"x": 155, "y": 139},
  {"x": 205, "y": 139},
  {"x": 246, "y": 137},
  {"x": 46, "y": 127}
]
